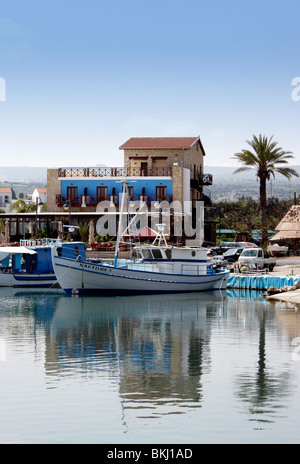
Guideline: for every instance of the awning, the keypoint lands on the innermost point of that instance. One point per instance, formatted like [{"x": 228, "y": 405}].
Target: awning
[
  {"x": 6, "y": 251},
  {"x": 145, "y": 232}
]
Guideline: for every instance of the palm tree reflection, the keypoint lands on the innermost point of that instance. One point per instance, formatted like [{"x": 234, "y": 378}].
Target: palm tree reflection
[{"x": 264, "y": 390}]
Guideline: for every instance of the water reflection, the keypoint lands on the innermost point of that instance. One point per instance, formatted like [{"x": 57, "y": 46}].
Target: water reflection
[
  {"x": 156, "y": 347},
  {"x": 164, "y": 355},
  {"x": 264, "y": 389}
]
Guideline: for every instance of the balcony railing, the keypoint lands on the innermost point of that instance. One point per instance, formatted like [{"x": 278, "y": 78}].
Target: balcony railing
[
  {"x": 93, "y": 200},
  {"x": 115, "y": 172}
]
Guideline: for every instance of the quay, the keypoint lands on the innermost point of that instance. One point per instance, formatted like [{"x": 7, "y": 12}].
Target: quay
[{"x": 285, "y": 273}]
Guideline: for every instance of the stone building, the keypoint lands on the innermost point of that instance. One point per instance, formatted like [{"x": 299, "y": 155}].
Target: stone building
[{"x": 157, "y": 168}]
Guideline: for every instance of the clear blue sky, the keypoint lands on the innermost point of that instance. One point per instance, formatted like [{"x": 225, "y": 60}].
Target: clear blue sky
[{"x": 84, "y": 76}]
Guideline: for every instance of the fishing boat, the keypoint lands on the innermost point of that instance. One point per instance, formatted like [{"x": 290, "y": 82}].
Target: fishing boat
[
  {"x": 29, "y": 265},
  {"x": 154, "y": 268},
  {"x": 150, "y": 269}
]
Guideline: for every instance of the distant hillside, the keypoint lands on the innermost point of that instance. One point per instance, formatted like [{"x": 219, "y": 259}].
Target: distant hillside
[
  {"x": 23, "y": 173},
  {"x": 227, "y": 186},
  {"x": 227, "y": 173}
]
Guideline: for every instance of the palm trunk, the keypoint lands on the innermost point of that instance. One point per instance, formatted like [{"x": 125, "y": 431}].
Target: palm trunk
[{"x": 263, "y": 211}]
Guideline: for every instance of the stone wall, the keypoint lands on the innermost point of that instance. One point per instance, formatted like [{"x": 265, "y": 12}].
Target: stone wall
[
  {"x": 53, "y": 188},
  {"x": 186, "y": 158}
]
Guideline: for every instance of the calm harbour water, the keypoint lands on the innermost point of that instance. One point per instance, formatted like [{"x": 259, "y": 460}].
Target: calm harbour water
[{"x": 213, "y": 367}]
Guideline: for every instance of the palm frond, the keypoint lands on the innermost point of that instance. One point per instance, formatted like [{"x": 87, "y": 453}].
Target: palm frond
[
  {"x": 287, "y": 172},
  {"x": 241, "y": 169}
]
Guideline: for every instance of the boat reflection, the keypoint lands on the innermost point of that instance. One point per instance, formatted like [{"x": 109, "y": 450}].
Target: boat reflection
[{"x": 156, "y": 348}]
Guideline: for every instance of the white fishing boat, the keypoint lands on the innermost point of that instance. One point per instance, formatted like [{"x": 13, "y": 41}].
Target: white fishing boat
[
  {"x": 151, "y": 269},
  {"x": 156, "y": 268}
]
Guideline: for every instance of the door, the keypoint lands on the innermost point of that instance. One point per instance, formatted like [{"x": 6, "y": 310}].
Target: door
[
  {"x": 101, "y": 194},
  {"x": 144, "y": 169},
  {"x": 72, "y": 195},
  {"x": 130, "y": 193},
  {"x": 161, "y": 193}
]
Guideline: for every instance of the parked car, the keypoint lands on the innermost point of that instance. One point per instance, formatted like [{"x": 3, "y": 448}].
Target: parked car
[
  {"x": 225, "y": 246},
  {"x": 237, "y": 244},
  {"x": 217, "y": 250},
  {"x": 248, "y": 244},
  {"x": 232, "y": 255},
  {"x": 256, "y": 258}
]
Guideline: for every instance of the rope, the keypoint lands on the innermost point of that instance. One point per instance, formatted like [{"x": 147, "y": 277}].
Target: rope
[{"x": 62, "y": 275}]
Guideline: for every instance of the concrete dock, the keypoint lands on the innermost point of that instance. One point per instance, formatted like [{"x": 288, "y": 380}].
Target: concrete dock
[{"x": 286, "y": 267}]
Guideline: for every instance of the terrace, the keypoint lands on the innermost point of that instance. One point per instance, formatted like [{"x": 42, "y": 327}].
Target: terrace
[{"x": 115, "y": 172}]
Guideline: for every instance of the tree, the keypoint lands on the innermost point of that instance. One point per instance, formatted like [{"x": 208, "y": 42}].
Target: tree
[
  {"x": 267, "y": 159},
  {"x": 22, "y": 207}
]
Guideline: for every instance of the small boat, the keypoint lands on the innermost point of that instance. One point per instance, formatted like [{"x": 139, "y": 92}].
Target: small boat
[
  {"x": 30, "y": 264},
  {"x": 277, "y": 250}
]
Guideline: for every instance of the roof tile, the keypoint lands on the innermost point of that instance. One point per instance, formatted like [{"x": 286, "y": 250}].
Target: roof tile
[{"x": 158, "y": 142}]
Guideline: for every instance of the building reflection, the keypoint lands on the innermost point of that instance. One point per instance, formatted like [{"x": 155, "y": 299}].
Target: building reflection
[
  {"x": 158, "y": 347},
  {"x": 158, "y": 351}
]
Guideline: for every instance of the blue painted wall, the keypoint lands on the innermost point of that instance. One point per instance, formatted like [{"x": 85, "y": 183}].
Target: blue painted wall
[{"x": 137, "y": 184}]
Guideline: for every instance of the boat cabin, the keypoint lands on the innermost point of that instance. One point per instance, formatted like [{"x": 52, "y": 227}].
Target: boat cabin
[
  {"x": 39, "y": 261},
  {"x": 169, "y": 259}
]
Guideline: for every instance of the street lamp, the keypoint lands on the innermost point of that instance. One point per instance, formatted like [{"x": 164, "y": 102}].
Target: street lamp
[{"x": 67, "y": 207}]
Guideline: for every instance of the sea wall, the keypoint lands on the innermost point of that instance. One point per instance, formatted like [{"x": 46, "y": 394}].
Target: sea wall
[{"x": 259, "y": 282}]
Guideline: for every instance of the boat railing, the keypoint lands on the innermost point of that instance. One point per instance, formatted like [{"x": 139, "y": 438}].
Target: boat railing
[
  {"x": 41, "y": 242},
  {"x": 192, "y": 269}
]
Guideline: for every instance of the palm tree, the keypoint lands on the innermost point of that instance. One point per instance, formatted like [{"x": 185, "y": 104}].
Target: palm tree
[{"x": 267, "y": 159}]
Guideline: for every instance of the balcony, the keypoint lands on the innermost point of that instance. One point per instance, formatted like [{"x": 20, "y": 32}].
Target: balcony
[
  {"x": 199, "y": 180},
  {"x": 163, "y": 171},
  {"x": 93, "y": 200}
]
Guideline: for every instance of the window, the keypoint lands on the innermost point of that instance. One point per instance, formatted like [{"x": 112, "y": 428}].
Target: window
[
  {"x": 72, "y": 195},
  {"x": 248, "y": 252},
  {"x": 169, "y": 253},
  {"x": 161, "y": 193},
  {"x": 101, "y": 194},
  {"x": 130, "y": 193},
  {"x": 147, "y": 253},
  {"x": 157, "y": 254}
]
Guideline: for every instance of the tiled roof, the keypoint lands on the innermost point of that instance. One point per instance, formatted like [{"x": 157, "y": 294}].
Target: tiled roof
[
  {"x": 5, "y": 190},
  {"x": 159, "y": 142},
  {"x": 41, "y": 189}
]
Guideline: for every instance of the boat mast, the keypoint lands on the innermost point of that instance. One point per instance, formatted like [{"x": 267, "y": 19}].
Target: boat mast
[{"x": 124, "y": 190}]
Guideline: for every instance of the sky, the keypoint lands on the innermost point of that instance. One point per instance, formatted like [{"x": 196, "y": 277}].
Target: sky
[{"x": 79, "y": 78}]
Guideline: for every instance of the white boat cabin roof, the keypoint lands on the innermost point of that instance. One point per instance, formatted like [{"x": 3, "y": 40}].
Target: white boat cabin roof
[{"x": 169, "y": 252}]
